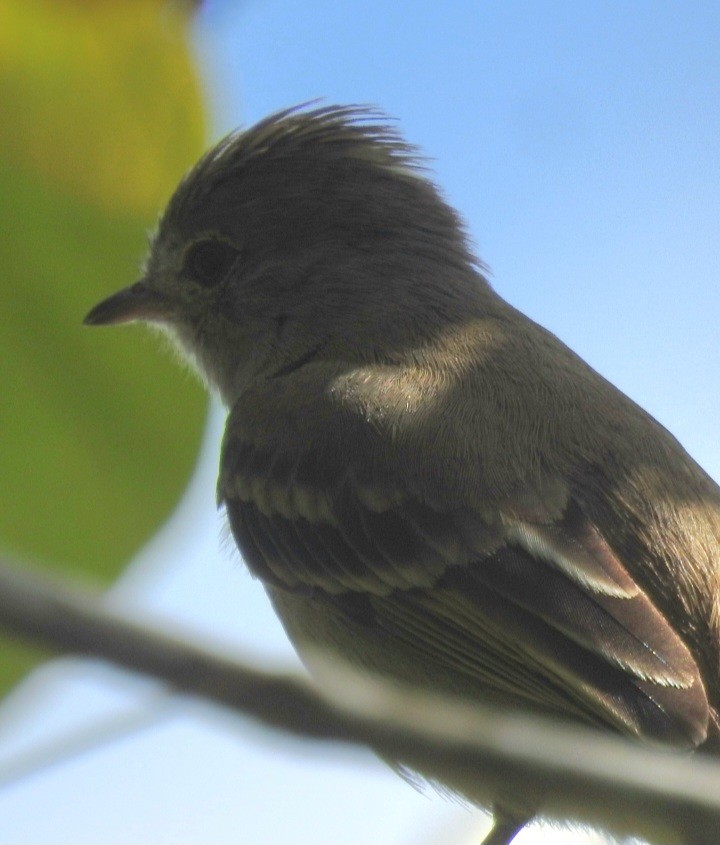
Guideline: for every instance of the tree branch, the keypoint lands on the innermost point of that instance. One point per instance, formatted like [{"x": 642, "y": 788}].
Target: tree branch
[{"x": 573, "y": 773}]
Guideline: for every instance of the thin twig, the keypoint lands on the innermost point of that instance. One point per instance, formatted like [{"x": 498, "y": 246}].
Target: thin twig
[
  {"x": 567, "y": 771},
  {"x": 91, "y": 736}
]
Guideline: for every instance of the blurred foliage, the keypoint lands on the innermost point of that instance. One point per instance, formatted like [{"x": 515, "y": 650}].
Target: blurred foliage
[{"x": 100, "y": 114}]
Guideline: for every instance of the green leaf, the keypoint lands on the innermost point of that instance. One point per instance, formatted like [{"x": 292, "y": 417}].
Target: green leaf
[{"x": 100, "y": 115}]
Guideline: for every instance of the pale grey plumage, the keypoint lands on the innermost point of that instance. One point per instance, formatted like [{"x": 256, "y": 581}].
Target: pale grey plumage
[{"x": 424, "y": 479}]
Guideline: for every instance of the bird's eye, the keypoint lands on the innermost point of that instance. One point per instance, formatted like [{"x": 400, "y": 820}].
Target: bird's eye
[{"x": 208, "y": 262}]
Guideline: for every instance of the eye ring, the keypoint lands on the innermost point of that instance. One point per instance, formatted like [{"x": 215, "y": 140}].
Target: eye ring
[{"x": 209, "y": 261}]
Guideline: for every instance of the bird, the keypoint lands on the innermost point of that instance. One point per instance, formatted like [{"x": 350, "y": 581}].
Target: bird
[{"x": 426, "y": 482}]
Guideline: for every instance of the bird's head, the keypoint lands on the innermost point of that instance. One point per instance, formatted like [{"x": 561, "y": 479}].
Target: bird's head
[{"x": 316, "y": 232}]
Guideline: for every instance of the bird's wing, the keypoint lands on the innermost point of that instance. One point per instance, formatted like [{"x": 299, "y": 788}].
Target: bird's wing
[{"x": 540, "y": 612}]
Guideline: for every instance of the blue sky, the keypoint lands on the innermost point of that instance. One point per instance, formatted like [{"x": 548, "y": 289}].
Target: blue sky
[{"x": 580, "y": 142}]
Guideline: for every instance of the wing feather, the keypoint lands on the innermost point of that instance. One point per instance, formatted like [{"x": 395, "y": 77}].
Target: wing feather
[{"x": 544, "y": 612}]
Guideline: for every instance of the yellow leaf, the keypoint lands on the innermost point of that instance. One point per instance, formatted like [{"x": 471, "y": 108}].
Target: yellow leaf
[
  {"x": 100, "y": 115},
  {"x": 101, "y": 98}
]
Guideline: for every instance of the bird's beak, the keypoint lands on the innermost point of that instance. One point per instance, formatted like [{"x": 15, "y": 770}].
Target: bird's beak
[{"x": 137, "y": 302}]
